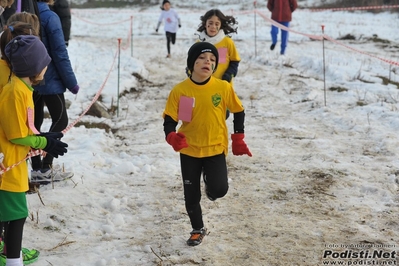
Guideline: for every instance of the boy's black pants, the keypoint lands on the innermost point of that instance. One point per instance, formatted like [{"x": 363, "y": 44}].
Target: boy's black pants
[{"x": 215, "y": 173}]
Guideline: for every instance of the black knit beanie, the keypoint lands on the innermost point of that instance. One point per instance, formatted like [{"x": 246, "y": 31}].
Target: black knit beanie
[
  {"x": 28, "y": 55},
  {"x": 165, "y": 1},
  {"x": 198, "y": 48}
]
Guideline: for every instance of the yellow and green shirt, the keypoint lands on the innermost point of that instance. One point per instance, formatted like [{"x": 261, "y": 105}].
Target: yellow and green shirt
[
  {"x": 15, "y": 100},
  {"x": 207, "y": 132},
  {"x": 227, "y": 52},
  {"x": 4, "y": 73},
  {"x": 226, "y": 49}
]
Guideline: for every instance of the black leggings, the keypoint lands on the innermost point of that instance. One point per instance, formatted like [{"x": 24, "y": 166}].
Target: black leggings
[
  {"x": 13, "y": 232},
  {"x": 59, "y": 120},
  {"x": 215, "y": 170},
  {"x": 170, "y": 38}
]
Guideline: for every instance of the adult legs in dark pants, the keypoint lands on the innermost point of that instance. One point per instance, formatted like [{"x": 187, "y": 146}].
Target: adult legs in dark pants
[
  {"x": 59, "y": 120},
  {"x": 215, "y": 170},
  {"x": 170, "y": 38}
]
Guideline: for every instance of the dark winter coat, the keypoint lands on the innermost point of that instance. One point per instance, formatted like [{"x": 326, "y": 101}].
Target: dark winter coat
[
  {"x": 282, "y": 9},
  {"x": 29, "y": 6},
  {"x": 59, "y": 74},
  {"x": 61, "y": 8}
]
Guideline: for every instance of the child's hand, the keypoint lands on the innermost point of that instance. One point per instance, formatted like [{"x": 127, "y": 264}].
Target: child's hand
[
  {"x": 177, "y": 140},
  {"x": 54, "y": 146},
  {"x": 239, "y": 146},
  {"x": 75, "y": 89}
]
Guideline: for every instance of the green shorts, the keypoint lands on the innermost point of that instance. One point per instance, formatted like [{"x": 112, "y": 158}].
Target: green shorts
[{"x": 13, "y": 206}]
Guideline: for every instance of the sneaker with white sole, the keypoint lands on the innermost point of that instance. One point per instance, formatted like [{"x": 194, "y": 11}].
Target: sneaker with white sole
[{"x": 46, "y": 176}]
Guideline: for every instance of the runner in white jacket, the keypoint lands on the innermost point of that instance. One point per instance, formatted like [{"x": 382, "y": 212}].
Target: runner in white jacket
[{"x": 171, "y": 23}]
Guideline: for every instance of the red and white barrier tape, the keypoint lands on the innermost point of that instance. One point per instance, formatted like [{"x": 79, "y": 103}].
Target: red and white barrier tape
[
  {"x": 320, "y": 37},
  {"x": 33, "y": 153},
  {"x": 94, "y": 98},
  {"x": 30, "y": 154},
  {"x": 353, "y": 8},
  {"x": 315, "y": 37},
  {"x": 76, "y": 14},
  {"x": 113, "y": 23},
  {"x": 391, "y": 62}
]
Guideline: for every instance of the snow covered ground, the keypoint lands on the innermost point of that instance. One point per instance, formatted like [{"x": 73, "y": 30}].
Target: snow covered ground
[{"x": 323, "y": 179}]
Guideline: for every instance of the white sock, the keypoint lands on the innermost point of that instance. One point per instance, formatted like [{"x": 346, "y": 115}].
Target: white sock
[{"x": 14, "y": 262}]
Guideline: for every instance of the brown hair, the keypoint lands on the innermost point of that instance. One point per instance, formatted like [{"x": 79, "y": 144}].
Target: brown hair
[
  {"x": 29, "y": 18},
  {"x": 6, "y": 3},
  {"x": 227, "y": 22}
]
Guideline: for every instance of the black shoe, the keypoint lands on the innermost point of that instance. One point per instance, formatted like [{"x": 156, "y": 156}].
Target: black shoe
[
  {"x": 272, "y": 46},
  {"x": 196, "y": 237}
]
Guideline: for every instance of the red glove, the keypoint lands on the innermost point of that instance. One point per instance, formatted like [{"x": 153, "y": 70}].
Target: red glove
[
  {"x": 238, "y": 145},
  {"x": 177, "y": 140}
]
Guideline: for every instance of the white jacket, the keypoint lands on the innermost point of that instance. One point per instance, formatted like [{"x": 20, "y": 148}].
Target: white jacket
[{"x": 171, "y": 20}]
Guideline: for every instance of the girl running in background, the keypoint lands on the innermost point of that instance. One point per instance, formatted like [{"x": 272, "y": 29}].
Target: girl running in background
[
  {"x": 172, "y": 22},
  {"x": 214, "y": 28}
]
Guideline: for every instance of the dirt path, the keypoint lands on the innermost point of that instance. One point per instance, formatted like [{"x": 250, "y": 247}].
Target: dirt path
[{"x": 297, "y": 196}]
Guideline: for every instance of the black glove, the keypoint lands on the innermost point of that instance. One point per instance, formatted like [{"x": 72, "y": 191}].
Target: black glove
[
  {"x": 54, "y": 146},
  {"x": 179, "y": 26},
  {"x": 227, "y": 77},
  {"x": 156, "y": 30}
]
